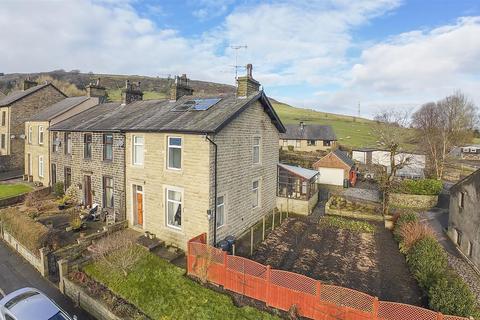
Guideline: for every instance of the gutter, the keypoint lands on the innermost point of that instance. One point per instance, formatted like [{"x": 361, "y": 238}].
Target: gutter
[{"x": 215, "y": 192}]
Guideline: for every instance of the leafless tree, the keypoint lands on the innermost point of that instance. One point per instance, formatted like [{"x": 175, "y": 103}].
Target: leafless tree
[
  {"x": 118, "y": 251},
  {"x": 443, "y": 125},
  {"x": 391, "y": 133}
]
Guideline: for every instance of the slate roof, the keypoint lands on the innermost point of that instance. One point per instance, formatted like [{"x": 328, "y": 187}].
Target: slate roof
[
  {"x": 58, "y": 108},
  {"x": 309, "y": 132},
  {"x": 17, "y": 95},
  {"x": 159, "y": 116},
  {"x": 342, "y": 155},
  {"x": 299, "y": 171}
]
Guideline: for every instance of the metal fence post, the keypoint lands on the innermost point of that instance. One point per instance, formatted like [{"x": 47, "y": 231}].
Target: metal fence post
[
  {"x": 263, "y": 228},
  {"x": 273, "y": 220},
  {"x": 251, "y": 241},
  {"x": 439, "y": 316}
]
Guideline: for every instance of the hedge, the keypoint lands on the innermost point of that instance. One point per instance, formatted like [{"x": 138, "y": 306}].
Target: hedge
[
  {"x": 430, "y": 187},
  {"x": 427, "y": 261},
  {"x": 450, "y": 295},
  {"x": 402, "y": 219}
]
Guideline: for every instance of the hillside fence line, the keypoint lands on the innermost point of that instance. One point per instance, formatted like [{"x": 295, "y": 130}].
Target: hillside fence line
[{"x": 283, "y": 289}]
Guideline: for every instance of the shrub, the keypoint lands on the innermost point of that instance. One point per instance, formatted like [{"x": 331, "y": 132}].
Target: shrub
[
  {"x": 118, "y": 251},
  {"x": 420, "y": 187},
  {"x": 73, "y": 195},
  {"x": 31, "y": 234},
  {"x": 427, "y": 261},
  {"x": 75, "y": 222},
  {"x": 402, "y": 219},
  {"x": 411, "y": 233},
  {"x": 58, "y": 189},
  {"x": 450, "y": 295}
]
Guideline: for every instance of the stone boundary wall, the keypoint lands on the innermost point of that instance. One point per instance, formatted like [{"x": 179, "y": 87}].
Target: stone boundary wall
[
  {"x": 350, "y": 214},
  {"x": 414, "y": 201},
  {"x": 39, "y": 262},
  {"x": 298, "y": 206},
  {"x": 20, "y": 198},
  {"x": 93, "y": 306}
]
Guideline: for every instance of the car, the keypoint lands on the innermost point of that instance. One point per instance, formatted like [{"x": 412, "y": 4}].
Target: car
[{"x": 30, "y": 304}]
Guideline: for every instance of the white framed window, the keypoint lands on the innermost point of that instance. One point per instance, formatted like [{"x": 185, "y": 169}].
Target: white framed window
[
  {"x": 30, "y": 134},
  {"x": 40, "y": 166},
  {"x": 174, "y": 153},
  {"x": 40, "y": 134},
  {"x": 255, "y": 193},
  {"x": 3, "y": 141},
  {"x": 174, "y": 208},
  {"x": 285, "y": 143},
  {"x": 298, "y": 143},
  {"x": 220, "y": 211},
  {"x": 138, "y": 150},
  {"x": 256, "y": 150},
  {"x": 68, "y": 142}
]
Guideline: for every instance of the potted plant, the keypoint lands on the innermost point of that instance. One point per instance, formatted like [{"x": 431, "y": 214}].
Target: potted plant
[
  {"x": 76, "y": 223},
  {"x": 62, "y": 202}
]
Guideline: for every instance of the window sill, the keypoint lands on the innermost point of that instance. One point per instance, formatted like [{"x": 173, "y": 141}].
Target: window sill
[{"x": 174, "y": 229}]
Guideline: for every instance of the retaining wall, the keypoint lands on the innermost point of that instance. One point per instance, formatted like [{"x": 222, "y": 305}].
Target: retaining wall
[
  {"x": 413, "y": 200},
  {"x": 21, "y": 198}
]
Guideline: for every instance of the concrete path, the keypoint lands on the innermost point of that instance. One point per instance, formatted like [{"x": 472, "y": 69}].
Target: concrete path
[
  {"x": 16, "y": 273},
  {"x": 437, "y": 219}
]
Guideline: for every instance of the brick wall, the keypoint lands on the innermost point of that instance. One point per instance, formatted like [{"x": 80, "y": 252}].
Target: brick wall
[
  {"x": 95, "y": 167},
  {"x": 21, "y": 111}
]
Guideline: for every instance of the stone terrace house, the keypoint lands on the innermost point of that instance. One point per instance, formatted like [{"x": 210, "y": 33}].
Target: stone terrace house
[
  {"x": 191, "y": 161},
  {"x": 39, "y": 142},
  {"x": 464, "y": 217},
  {"x": 15, "y": 109},
  {"x": 303, "y": 137}
]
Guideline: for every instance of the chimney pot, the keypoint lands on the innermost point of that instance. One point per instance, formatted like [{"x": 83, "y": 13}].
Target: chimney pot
[
  {"x": 131, "y": 93},
  {"x": 302, "y": 125},
  {"x": 95, "y": 90},
  {"x": 249, "y": 70}
]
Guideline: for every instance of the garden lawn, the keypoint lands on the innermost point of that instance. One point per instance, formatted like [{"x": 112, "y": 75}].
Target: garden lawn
[
  {"x": 11, "y": 190},
  {"x": 161, "y": 291}
]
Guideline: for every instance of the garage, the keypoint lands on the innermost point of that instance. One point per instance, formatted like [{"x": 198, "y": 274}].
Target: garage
[
  {"x": 332, "y": 176},
  {"x": 335, "y": 168}
]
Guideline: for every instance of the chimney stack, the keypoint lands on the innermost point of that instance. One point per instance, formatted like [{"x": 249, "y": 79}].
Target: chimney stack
[
  {"x": 180, "y": 88},
  {"x": 95, "y": 90},
  {"x": 28, "y": 83},
  {"x": 302, "y": 125},
  {"x": 246, "y": 85},
  {"x": 132, "y": 92}
]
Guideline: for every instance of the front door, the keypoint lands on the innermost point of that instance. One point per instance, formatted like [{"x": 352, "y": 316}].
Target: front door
[
  {"x": 138, "y": 204},
  {"x": 87, "y": 191},
  {"x": 54, "y": 174}
]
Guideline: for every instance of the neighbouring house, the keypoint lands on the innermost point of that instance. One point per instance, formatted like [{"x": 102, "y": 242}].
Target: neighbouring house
[
  {"x": 307, "y": 137},
  {"x": 336, "y": 168},
  {"x": 464, "y": 217},
  {"x": 39, "y": 141},
  {"x": 189, "y": 164},
  {"x": 471, "y": 152},
  {"x": 15, "y": 109},
  {"x": 374, "y": 156},
  {"x": 297, "y": 190}
]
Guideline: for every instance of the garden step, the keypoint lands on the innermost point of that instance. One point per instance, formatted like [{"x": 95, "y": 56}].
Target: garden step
[
  {"x": 168, "y": 253},
  {"x": 150, "y": 244}
]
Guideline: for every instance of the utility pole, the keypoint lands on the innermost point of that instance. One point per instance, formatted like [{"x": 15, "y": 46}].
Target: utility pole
[
  {"x": 359, "y": 109},
  {"x": 236, "y": 66}
]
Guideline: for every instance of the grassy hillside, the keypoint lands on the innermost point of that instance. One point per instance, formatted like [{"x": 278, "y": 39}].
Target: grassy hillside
[{"x": 350, "y": 131}]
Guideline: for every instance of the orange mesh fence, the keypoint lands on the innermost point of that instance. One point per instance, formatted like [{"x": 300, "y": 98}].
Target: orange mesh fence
[
  {"x": 246, "y": 277},
  {"x": 395, "y": 311},
  {"x": 283, "y": 289}
]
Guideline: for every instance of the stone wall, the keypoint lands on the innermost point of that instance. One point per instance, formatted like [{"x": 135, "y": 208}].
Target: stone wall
[
  {"x": 303, "y": 207},
  {"x": 21, "y": 111},
  {"x": 236, "y": 171},
  {"x": 20, "y": 198},
  {"x": 35, "y": 149},
  {"x": 95, "y": 167},
  {"x": 413, "y": 200}
]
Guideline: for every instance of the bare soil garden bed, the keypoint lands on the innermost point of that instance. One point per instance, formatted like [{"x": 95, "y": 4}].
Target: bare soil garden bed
[{"x": 364, "y": 261}]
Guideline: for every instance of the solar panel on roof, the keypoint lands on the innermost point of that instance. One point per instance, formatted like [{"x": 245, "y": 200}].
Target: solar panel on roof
[{"x": 197, "y": 104}]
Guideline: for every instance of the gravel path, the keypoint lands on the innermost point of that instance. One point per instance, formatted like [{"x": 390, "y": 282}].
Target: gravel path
[{"x": 438, "y": 219}]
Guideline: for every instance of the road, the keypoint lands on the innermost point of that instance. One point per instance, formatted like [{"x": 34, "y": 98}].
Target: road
[{"x": 16, "y": 273}]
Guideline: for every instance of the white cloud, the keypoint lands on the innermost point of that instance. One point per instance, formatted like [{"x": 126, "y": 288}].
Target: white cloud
[{"x": 416, "y": 67}]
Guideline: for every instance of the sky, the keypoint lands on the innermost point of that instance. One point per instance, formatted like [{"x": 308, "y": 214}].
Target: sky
[{"x": 329, "y": 55}]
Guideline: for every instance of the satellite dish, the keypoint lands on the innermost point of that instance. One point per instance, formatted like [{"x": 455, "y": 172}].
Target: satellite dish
[
  {"x": 22, "y": 136},
  {"x": 119, "y": 143}
]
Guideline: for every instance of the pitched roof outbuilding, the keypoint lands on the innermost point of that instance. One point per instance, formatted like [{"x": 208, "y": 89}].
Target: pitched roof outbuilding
[
  {"x": 15, "y": 96},
  {"x": 309, "y": 132},
  {"x": 162, "y": 116},
  {"x": 58, "y": 108},
  {"x": 342, "y": 155},
  {"x": 299, "y": 171}
]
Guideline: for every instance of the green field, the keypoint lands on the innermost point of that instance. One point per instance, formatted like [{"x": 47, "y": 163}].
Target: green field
[
  {"x": 116, "y": 95},
  {"x": 161, "y": 291},
  {"x": 11, "y": 190},
  {"x": 350, "y": 131},
  {"x": 476, "y": 140}
]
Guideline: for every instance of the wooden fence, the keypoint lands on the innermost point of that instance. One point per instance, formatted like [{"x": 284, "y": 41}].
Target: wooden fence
[{"x": 283, "y": 290}]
